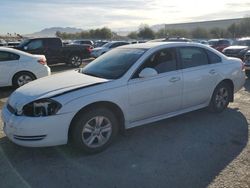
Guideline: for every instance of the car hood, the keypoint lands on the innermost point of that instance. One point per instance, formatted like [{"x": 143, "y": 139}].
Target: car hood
[
  {"x": 236, "y": 47},
  {"x": 51, "y": 86},
  {"x": 99, "y": 48}
]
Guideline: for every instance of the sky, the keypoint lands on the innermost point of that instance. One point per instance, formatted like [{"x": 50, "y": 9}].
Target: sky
[{"x": 28, "y": 16}]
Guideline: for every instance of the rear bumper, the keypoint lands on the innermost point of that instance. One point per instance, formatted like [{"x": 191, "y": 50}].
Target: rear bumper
[{"x": 46, "y": 71}]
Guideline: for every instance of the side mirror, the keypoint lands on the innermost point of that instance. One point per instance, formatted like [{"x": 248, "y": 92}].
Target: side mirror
[
  {"x": 147, "y": 72},
  {"x": 25, "y": 47}
]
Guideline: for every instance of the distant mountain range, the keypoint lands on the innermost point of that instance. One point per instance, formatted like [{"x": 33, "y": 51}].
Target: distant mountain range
[{"x": 50, "y": 32}]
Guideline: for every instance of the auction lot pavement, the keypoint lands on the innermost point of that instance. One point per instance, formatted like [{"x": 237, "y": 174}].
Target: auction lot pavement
[{"x": 197, "y": 149}]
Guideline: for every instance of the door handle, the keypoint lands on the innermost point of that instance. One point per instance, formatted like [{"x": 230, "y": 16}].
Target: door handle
[
  {"x": 212, "y": 71},
  {"x": 174, "y": 79}
]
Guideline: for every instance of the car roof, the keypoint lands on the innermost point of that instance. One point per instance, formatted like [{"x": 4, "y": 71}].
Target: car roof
[
  {"x": 149, "y": 45},
  {"x": 12, "y": 50}
]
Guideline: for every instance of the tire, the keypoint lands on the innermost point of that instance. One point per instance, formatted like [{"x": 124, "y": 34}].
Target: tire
[
  {"x": 221, "y": 98},
  {"x": 94, "y": 130},
  {"x": 22, "y": 78},
  {"x": 247, "y": 73},
  {"x": 75, "y": 60}
]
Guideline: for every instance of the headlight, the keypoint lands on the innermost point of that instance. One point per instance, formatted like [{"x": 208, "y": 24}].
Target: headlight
[{"x": 41, "y": 107}]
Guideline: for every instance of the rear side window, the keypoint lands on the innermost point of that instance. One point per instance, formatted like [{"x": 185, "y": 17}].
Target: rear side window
[
  {"x": 193, "y": 57},
  {"x": 7, "y": 56},
  {"x": 54, "y": 43},
  {"x": 213, "y": 58}
]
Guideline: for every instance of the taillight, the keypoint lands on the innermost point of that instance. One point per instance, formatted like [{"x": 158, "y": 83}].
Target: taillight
[
  {"x": 89, "y": 49},
  {"x": 42, "y": 61}
]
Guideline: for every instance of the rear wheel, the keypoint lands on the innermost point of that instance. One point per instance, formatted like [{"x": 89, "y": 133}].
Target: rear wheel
[
  {"x": 220, "y": 98},
  {"x": 94, "y": 130},
  {"x": 23, "y": 78},
  {"x": 75, "y": 60}
]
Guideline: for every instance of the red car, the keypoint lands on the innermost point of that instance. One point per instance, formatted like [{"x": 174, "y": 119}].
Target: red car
[{"x": 219, "y": 44}]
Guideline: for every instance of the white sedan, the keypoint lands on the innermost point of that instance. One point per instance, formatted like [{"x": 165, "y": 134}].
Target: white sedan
[
  {"x": 18, "y": 68},
  {"x": 126, "y": 87}
]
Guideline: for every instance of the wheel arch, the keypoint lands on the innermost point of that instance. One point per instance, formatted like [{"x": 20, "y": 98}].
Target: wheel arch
[
  {"x": 19, "y": 72},
  {"x": 101, "y": 104},
  {"x": 230, "y": 83}
]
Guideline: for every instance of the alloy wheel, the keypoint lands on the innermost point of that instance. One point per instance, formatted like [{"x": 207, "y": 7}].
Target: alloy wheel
[
  {"x": 97, "y": 131},
  {"x": 221, "y": 98}
]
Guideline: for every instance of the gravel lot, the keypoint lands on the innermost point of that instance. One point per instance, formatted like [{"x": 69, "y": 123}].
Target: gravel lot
[{"x": 197, "y": 149}]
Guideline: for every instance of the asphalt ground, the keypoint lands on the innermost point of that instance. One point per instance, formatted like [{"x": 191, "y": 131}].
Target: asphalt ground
[{"x": 197, "y": 149}]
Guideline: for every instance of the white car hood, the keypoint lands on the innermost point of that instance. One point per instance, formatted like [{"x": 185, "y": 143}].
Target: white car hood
[{"x": 50, "y": 86}]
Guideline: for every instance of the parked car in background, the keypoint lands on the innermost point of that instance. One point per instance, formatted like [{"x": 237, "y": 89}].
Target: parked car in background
[
  {"x": 127, "y": 87},
  {"x": 18, "y": 68},
  {"x": 238, "y": 49},
  {"x": 96, "y": 52},
  {"x": 173, "y": 39},
  {"x": 247, "y": 63},
  {"x": 3, "y": 42},
  {"x": 201, "y": 41},
  {"x": 13, "y": 44},
  {"x": 89, "y": 42},
  {"x": 55, "y": 51},
  {"x": 138, "y": 41},
  {"x": 219, "y": 44},
  {"x": 99, "y": 43}
]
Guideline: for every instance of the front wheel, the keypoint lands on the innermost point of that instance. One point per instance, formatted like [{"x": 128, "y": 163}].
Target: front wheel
[
  {"x": 94, "y": 130},
  {"x": 75, "y": 60},
  {"x": 220, "y": 98}
]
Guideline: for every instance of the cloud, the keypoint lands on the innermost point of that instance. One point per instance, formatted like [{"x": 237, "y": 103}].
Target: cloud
[{"x": 29, "y": 15}]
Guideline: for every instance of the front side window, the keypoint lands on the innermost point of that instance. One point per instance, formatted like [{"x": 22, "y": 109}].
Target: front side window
[
  {"x": 7, "y": 56},
  {"x": 113, "y": 64},
  {"x": 193, "y": 57},
  {"x": 35, "y": 44}
]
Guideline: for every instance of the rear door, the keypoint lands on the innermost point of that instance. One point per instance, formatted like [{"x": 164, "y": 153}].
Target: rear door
[
  {"x": 199, "y": 76},
  {"x": 8, "y": 67},
  {"x": 53, "y": 50}
]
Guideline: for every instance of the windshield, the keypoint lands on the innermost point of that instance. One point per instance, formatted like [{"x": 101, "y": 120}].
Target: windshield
[
  {"x": 23, "y": 43},
  {"x": 213, "y": 42},
  {"x": 242, "y": 43},
  {"x": 114, "y": 64}
]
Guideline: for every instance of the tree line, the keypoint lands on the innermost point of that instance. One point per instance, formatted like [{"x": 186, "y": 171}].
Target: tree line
[
  {"x": 235, "y": 30},
  {"x": 103, "y": 33}
]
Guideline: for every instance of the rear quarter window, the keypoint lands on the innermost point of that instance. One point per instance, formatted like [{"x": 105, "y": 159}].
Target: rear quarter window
[
  {"x": 7, "y": 56},
  {"x": 213, "y": 58}
]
